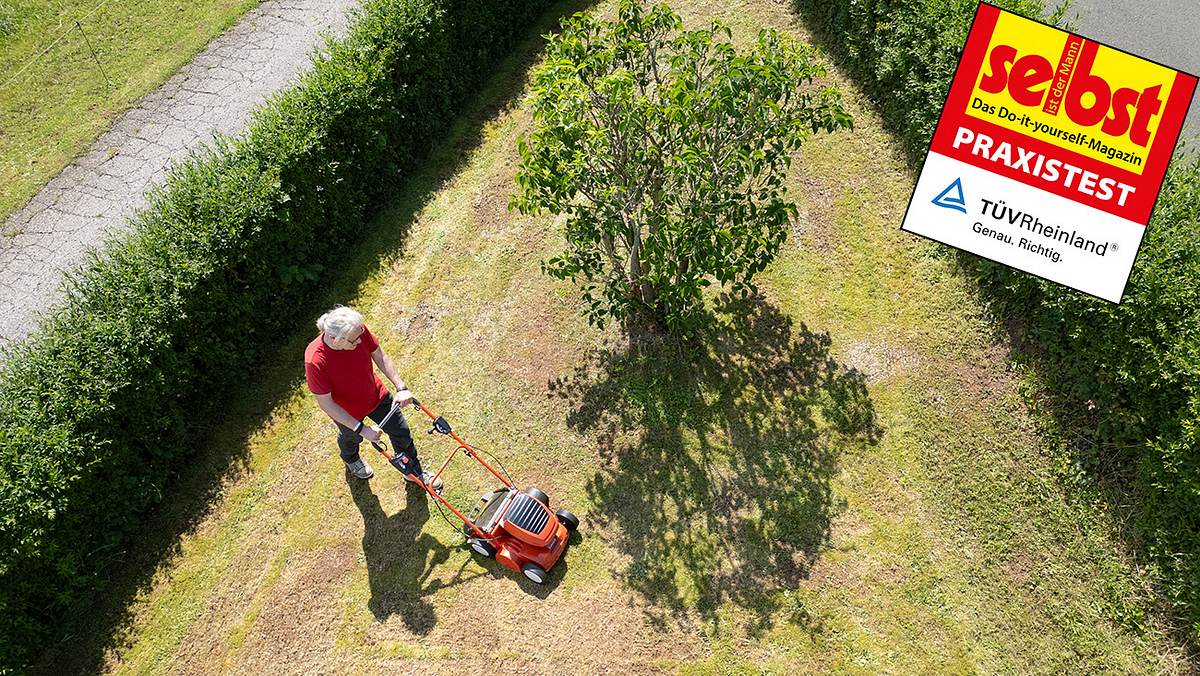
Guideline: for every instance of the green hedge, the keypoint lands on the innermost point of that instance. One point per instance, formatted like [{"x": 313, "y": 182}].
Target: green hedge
[
  {"x": 1131, "y": 371},
  {"x": 114, "y": 389},
  {"x": 902, "y": 53},
  {"x": 1131, "y": 374}
]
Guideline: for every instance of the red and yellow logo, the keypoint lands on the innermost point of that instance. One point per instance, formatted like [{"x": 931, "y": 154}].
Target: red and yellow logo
[
  {"x": 1051, "y": 84},
  {"x": 1063, "y": 113}
]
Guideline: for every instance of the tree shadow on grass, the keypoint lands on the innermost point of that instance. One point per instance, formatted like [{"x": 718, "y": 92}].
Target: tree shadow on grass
[
  {"x": 717, "y": 466},
  {"x": 98, "y": 624},
  {"x": 1101, "y": 451}
]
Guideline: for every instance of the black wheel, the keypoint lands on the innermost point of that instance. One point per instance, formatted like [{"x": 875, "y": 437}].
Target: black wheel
[
  {"x": 568, "y": 519},
  {"x": 534, "y": 572},
  {"x": 537, "y": 494},
  {"x": 482, "y": 547}
]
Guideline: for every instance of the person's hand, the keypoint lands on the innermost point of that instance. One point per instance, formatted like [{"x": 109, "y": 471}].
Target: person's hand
[
  {"x": 370, "y": 433},
  {"x": 403, "y": 398}
]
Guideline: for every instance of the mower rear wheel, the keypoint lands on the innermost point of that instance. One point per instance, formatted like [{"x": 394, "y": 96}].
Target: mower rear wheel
[
  {"x": 568, "y": 519},
  {"x": 534, "y": 572},
  {"x": 482, "y": 547},
  {"x": 537, "y": 494}
]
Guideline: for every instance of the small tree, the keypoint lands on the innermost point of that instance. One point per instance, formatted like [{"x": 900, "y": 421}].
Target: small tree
[{"x": 665, "y": 150}]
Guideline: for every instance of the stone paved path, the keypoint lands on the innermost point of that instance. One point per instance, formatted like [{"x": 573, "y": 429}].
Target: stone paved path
[{"x": 92, "y": 198}]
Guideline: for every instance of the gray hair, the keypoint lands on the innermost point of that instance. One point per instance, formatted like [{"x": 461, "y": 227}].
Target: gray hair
[{"x": 339, "y": 321}]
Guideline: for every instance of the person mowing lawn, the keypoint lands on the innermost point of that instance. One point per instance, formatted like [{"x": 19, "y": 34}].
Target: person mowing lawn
[{"x": 338, "y": 368}]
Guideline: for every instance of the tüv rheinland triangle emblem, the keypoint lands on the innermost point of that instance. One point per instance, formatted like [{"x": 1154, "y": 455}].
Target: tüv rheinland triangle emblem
[{"x": 952, "y": 197}]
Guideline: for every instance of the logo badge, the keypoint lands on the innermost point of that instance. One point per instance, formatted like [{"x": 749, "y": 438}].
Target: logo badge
[{"x": 952, "y": 197}]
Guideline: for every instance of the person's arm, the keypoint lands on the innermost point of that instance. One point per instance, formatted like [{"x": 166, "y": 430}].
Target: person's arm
[
  {"x": 385, "y": 364},
  {"x": 339, "y": 415}
]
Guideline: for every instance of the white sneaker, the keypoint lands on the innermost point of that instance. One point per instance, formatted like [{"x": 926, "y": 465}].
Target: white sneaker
[
  {"x": 428, "y": 480},
  {"x": 360, "y": 469}
]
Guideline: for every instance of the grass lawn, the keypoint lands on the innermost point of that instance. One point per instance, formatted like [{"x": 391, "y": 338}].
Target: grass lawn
[
  {"x": 54, "y": 100},
  {"x": 845, "y": 480}
]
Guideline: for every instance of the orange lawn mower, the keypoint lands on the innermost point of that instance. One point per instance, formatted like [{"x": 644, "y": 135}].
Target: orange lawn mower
[{"x": 515, "y": 527}]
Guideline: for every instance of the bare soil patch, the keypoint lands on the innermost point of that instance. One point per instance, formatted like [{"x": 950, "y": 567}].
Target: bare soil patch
[
  {"x": 300, "y": 615},
  {"x": 878, "y": 360}
]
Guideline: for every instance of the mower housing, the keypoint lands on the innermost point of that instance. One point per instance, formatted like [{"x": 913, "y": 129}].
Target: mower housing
[{"x": 520, "y": 527}]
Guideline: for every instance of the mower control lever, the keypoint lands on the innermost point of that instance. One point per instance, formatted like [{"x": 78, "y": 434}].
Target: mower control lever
[{"x": 440, "y": 425}]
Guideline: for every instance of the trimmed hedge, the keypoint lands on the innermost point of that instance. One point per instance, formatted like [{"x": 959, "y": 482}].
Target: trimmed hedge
[
  {"x": 1131, "y": 372},
  {"x": 1136, "y": 364},
  {"x": 902, "y": 53},
  {"x": 118, "y": 385}
]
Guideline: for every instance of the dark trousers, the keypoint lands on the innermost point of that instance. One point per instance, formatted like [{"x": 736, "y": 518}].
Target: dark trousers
[{"x": 403, "y": 448}]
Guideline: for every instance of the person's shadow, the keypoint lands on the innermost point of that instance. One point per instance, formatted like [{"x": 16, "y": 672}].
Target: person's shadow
[{"x": 400, "y": 557}]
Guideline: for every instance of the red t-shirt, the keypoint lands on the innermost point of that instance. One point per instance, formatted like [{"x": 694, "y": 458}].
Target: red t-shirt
[{"x": 349, "y": 375}]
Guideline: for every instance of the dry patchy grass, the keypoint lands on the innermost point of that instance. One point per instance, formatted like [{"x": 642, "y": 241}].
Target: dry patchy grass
[{"x": 846, "y": 480}]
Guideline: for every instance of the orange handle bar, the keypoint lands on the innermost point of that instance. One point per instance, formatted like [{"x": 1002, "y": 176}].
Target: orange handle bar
[
  {"x": 384, "y": 451},
  {"x": 440, "y": 425}
]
